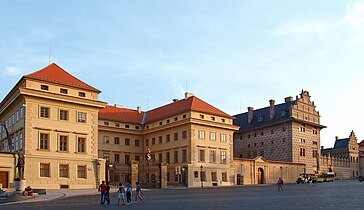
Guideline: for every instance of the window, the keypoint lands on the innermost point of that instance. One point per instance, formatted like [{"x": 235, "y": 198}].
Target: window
[
  {"x": 20, "y": 141},
  {"x": 21, "y": 112},
  {"x": 153, "y": 141},
  {"x": 262, "y": 153},
  {"x": 106, "y": 156},
  {"x": 81, "y": 144},
  {"x": 248, "y": 136},
  {"x": 213, "y": 176},
  {"x": 195, "y": 173},
  {"x": 224, "y": 176},
  {"x": 314, "y": 153},
  {"x": 223, "y": 156},
  {"x": 302, "y": 129},
  {"x": 222, "y": 120},
  {"x": 212, "y": 156},
  {"x": 302, "y": 140},
  {"x": 176, "y": 156},
  {"x": 137, "y": 127},
  {"x": 175, "y": 136},
  {"x": 127, "y": 126},
  {"x": 184, "y": 155},
  {"x": 137, "y": 142},
  {"x": 272, "y": 131},
  {"x": 212, "y": 118},
  {"x": 223, "y": 137},
  {"x": 44, "y": 139},
  {"x": 302, "y": 152},
  {"x": 262, "y": 143},
  {"x": 64, "y": 91},
  {"x": 63, "y": 114},
  {"x": 117, "y": 158},
  {"x": 63, "y": 143},
  {"x": 168, "y": 138},
  {"x": 176, "y": 118},
  {"x": 17, "y": 116},
  {"x": 127, "y": 159},
  {"x": 167, "y": 157},
  {"x": 81, "y": 94},
  {"x": 137, "y": 157},
  {"x": 81, "y": 117},
  {"x": 117, "y": 125},
  {"x": 147, "y": 142},
  {"x": 212, "y": 136},
  {"x": 63, "y": 170},
  {"x": 201, "y": 135},
  {"x": 44, "y": 87},
  {"x": 13, "y": 119},
  {"x": 106, "y": 123},
  {"x": 116, "y": 140},
  {"x": 44, "y": 112},
  {"x": 44, "y": 170},
  {"x": 160, "y": 140},
  {"x": 127, "y": 141},
  {"x": 184, "y": 116},
  {"x": 160, "y": 159},
  {"x": 106, "y": 139},
  {"x": 202, "y": 116},
  {"x": 168, "y": 121},
  {"x": 184, "y": 134},
  {"x": 81, "y": 172},
  {"x": 255, "y": 134}
]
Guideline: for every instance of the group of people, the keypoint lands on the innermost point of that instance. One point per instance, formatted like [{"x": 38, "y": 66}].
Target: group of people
[{"x": 104, "y": 188}]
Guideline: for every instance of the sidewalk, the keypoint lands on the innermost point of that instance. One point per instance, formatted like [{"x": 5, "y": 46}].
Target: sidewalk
[{"x": 57, "y": 194}]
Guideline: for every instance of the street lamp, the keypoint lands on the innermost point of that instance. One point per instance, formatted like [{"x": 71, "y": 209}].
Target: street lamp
[{"x": 201, "y": 167}]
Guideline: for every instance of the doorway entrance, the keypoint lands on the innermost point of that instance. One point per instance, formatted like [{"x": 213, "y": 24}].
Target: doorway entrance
[
  {"x": 260, "y": 176},
  {"x": 4, "y": 178}
]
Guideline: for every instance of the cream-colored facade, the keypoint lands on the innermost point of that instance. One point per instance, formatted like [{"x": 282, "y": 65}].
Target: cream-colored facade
[
  {"x": 261, "y": 171},
  {"x": 54, "y": 124},
  {"x": 183, "y": 141}
]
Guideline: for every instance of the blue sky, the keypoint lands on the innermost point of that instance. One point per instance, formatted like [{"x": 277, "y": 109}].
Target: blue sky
[{"x": 233, "y": 54}]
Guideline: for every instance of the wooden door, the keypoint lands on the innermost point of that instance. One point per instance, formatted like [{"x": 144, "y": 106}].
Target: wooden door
[{"x": 4, "y": 178}]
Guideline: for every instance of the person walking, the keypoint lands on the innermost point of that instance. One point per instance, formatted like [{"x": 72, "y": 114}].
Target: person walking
[
  {"x": 280, "y": 184},
  {"x": 102, "y": 189},
  {"x": 107, "y": 193},
  {"x": 138, "y": 193},
  {"x": 121, "y": 194},
  {"x": 129, "y": 190}
]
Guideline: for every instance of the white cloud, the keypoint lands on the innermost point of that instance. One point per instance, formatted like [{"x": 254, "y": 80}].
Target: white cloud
[{"x": 13, "y": 71}]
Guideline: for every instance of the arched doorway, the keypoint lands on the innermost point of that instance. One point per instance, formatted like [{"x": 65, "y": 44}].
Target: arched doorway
[{"x": 260, "y": 176}]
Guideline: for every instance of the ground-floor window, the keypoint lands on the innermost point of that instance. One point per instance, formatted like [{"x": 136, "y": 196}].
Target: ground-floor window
[
  {"x": 44, "y": 170},
  {"x": 63, "y": 170},
  {"x": 224, "y": 176},
  {"x": 81, "y": 172},
  {"x": 214, "y": 176}
]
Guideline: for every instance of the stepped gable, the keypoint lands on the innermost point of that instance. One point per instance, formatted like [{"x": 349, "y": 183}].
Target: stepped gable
[
  {"x": 121, "y": 115},
  {"x": 55, "y": 74},
  {"x": 191, "y": 103}
]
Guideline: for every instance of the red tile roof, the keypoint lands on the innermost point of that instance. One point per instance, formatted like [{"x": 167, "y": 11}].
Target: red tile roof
[
  {"x": 55, "y": 74},
  {"x": 132, "y": 116},
  {"x": 190, "y": 104},
  {"x": 121, "y": 115}
]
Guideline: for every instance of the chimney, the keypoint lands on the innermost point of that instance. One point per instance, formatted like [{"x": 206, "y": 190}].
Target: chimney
[
  {"x": 271, "y": 109},
  {"x": 250, "y": 114},
  {"x": 139, "y": 109},
  {"x": 118, "y": 105},
  {"x": 288, "y": 99},
  {"x": 336, "y": 138},
  {"x": 187, "y": 95}
]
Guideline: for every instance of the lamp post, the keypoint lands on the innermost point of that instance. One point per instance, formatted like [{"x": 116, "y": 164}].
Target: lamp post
[
  {"x": 201, "y": 167},
  {"x": 111, "y": 177},
  {"x": 98, "y": 173},
  {"x": 148, "y": 157}
]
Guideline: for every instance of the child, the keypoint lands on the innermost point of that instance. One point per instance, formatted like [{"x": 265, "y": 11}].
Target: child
[
  {"x": 121, "y": 194},
  {"x": 138, "y": 193}
]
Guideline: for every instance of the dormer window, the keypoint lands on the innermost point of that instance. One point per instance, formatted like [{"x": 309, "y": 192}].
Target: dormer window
[
  {"x": 64, "y": 91},
  {"x": 222, "y": 120},
  {"x": 44, "y": 87},
  {"x": 283, "y": 113},
  {"x": 202, "y": 116},
  {"x": 106, "y": 123},
  {"x": 260, "y": 119}
]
